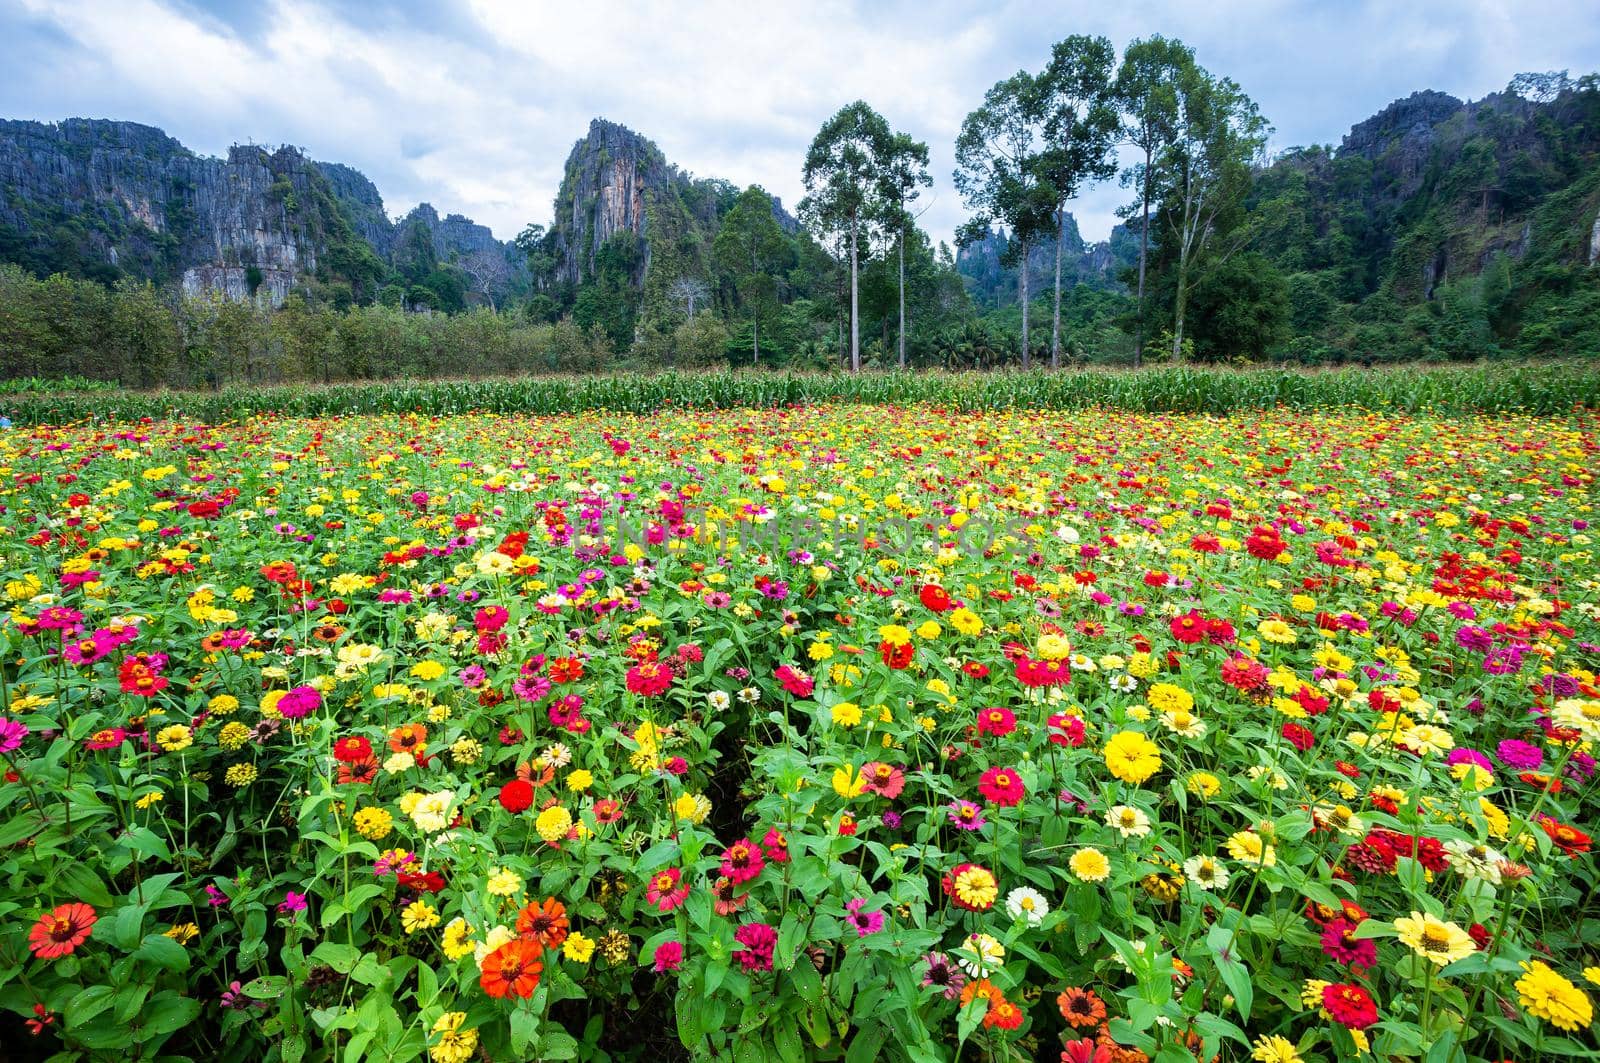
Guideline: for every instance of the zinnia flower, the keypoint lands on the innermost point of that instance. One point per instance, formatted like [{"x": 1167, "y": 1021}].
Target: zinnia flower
[
  {"x": 1090, "y": 865},
  {"x": 1350, "y": 1005},
  {"x": 1001, "y": 786},
  {"x": 513, "y": 969},
  {"x": 972, "y": 886},
  {"x": 742, "y": 861},
  {"x": 1546, "y": 995},
  {"x": 1433, "y": 939},
  {"x": 1081, "y": 1007},
  {"x": 61, "y": 930},
  {"x": 1132, "y": 757},
  {"x": 666, "y": 890}
]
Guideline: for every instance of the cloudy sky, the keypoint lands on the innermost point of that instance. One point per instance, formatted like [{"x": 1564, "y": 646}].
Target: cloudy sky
[{"x": 473, "y": 105}]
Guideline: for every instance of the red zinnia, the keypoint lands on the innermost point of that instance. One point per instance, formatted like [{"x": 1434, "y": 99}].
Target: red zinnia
[
  {"x": 996, "y": 721},
  {"x": 352, "y": 748},
  {"x": 1350, "y": 1005},
  {"x": 1084, "y": 1050},
  {"x": 1001, "y": 786},
  {"x": 935, "y": 597},
  {"x": 1298, "y": 736},
  {"x": 896, "y": 656},
  {"x": 1189, "y": 628},
  {"x": 61, "y": 930},
  {"x": 516, "y": 796}
]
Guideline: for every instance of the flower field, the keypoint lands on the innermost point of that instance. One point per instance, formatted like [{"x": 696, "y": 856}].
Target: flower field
[{"x": 824, "y": 732}]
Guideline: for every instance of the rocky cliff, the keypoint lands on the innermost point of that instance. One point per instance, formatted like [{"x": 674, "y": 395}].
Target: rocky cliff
[
  {"x": 105, "y": 198},
  {"x": 614, "y": 183}
]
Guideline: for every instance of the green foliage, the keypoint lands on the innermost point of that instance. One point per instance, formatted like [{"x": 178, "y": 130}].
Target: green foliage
[
  {"x": 751, "y": 254},
  {"x": 1550, "y": 388}
]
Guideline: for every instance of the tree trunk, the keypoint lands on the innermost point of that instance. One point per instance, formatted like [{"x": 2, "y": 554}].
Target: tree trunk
[
  {"x": 902, "y": 295},
  {"x": 755, "y": 342},
  {"x": 1055, "y": 318},
  {"x": 855, "y": 325},
  {"x": 1022, "y": 282},
  {"x": 1144, "y": 251},
  {"x": 1179, "y": 299}
]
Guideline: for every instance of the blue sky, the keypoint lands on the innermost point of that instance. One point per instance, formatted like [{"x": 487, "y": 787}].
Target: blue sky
[{"x": 473, "y": 105}]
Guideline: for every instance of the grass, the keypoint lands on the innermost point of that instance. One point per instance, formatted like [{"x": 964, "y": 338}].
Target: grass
[{"x": 1546, "y": 388}]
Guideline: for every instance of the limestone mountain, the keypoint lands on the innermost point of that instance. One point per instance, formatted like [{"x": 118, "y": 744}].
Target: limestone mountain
[
  {"x": 621, "y": 199},
  {"x": 106, "y": 199},
  {"x": 1443, "y": 225},
  {"x": 992, "y": 278}
]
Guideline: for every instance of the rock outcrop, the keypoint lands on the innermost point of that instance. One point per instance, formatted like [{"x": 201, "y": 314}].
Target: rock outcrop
[
  {"x": 132, "y": 200},
  {"x": 614, "y": 180}
]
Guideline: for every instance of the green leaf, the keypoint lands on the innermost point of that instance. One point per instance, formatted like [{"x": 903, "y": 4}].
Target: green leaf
[
  {"x": 127, "y": 927},
  {"x": 688, "y": 1012},
  {"x": 1234, "y": 973},
  {"x": 869, "y": 1039},
  {"x": 167, "y": 1014},
  {"x": 557, "y": 1044},
  {"x": 267, "y": 987},
  {"x": 807, "y": 982},
  {"x": 524, "y": 1029},
  {"x": 786, "y": 1039},
  {"x": 660, "y": 854},
  {"x": 88, "y": 1003},
  {"x": 164, "y": 952},
  {"x": 340, "y": 957}
]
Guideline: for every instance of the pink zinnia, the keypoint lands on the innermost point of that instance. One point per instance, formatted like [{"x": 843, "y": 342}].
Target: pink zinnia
[
  {"x": 794, "y": 681},
  {"x": 668, "y": 956},
  {"x": 649, "y": 678},
  {"x": 301, "y": 701},
  {"x": 996, "y": 721},
  {"x": 1066, "y": 730},
  {"x": 742, "y": 861},
  {"x": 758, "y": 940},
  {"x": 1339, "y": 945},
  {"x": 1001, "y": 786},
  {"x": 864, "y": 922},
  {"x": 967, "y": 815},
  {"x": 667, "y": 890},
  {"x": 884, "y": 780}
]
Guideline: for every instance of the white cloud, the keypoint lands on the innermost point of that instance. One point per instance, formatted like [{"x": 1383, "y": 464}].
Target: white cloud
[{"x": 474, "y": 107}]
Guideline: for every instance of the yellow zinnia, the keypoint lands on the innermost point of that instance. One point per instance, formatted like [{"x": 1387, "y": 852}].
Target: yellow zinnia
[
  {"x": 1090, "y": 865},
  {"x": 1132, "y": 757},
  {"x": 1433, "y": 939},
  {"x": 1546, "y": 995}
]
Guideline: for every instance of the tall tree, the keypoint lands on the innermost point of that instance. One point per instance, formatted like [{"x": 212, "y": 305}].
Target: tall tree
[
  {"x": 997, "y": 173},
  {"x": 1146, "y": 91},
  {"x": 751, "y": 250},
  {"x": 1081, "y": 119},
  {"x": 903, "y": 171},
  {"x": 842, "y": 178},
  {"x": 1206, "y": 174}
]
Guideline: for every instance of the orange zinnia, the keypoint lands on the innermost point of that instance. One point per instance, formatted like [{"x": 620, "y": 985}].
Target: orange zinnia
[
  {"x": 1081, "y": 1007},
  {"x": 61, "y": 930},
  {"x": 409, "y": 738},
  {"x": 513, "y": 968},
  {"x": 546, "y": 922}
]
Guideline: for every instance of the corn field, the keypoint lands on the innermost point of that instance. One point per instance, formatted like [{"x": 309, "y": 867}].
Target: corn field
[{"x": 1549, "y": 388}]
